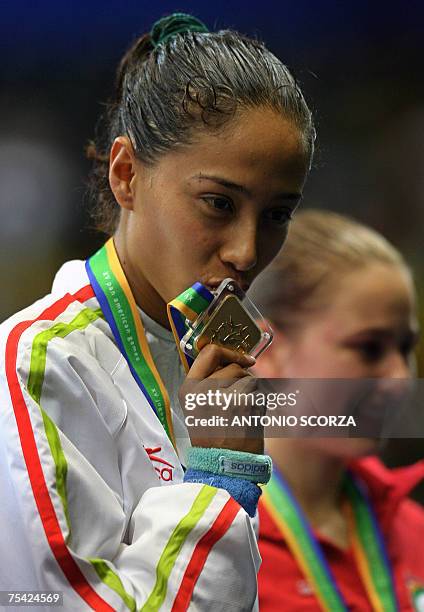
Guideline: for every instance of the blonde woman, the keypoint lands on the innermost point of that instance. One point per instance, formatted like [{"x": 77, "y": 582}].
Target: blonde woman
[{"x": 342, "y": 304}]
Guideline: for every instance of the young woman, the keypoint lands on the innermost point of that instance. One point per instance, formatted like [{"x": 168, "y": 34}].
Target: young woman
[
  {"x": 342, "y": 304},
  {"x": 201, "y": 165}
]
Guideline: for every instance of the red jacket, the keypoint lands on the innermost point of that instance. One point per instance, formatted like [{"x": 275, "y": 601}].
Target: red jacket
[{"x": 282, "y": 585}]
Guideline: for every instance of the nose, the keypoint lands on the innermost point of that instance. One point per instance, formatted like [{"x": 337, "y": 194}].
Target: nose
[
  {"x": 395, "y": 379},
  {"x": 396, "y": 366},
  {"x": 240, "y": 247}
]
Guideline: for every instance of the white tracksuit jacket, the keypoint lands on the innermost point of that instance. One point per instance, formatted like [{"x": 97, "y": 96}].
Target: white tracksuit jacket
[{"x": 92, "y": 499}]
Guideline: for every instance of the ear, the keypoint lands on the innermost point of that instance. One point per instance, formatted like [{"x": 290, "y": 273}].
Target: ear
[
  {"x": 271, "y": 364},
  {"x": 122, "y": 171}
]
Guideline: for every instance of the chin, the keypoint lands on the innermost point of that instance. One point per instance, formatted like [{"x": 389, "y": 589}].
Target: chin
[
  {"x": 360, "y": 447},
  {"x": 349, "y": 448}
]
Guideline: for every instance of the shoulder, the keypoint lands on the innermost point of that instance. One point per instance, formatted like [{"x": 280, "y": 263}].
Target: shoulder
[
  {"x": 59, "y": 353},
  {"x": 58, "y": 335},
  {"x": 67, "y": 322},
  {"x": 51, "y": 318},
  {"x": 67, "y": 288}
]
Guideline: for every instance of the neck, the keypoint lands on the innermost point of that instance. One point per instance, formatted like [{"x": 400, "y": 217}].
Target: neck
[
  {"x": 146, "y": 297},
  {"x": 314, "y": 478}
]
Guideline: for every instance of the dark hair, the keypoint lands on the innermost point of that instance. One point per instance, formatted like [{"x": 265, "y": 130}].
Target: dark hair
[{"x": 165, "y": 89}]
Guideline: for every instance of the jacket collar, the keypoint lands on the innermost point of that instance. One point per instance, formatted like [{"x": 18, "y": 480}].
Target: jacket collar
[{"x": 387, "y": 488}]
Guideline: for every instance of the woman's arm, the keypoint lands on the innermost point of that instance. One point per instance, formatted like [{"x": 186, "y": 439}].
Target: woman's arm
[{"x": 86, "y": 511}]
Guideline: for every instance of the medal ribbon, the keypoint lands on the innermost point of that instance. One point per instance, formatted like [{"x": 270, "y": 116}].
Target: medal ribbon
[
  {"x": 188, "y": 305},
  {"x": 118, "y": 305},
  {"x": 368, "y": 546}
]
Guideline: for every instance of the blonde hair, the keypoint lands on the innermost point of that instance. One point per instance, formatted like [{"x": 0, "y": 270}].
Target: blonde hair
[{"x": 321, "y": 246}]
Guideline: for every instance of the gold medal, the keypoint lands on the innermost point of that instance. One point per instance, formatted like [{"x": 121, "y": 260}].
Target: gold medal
[
  {"x": 230, "y": 326},
  {"x": 231, "y": 320}
]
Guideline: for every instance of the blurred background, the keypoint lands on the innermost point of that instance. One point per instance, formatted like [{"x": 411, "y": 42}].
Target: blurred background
[{"x": 360, "y": 66}]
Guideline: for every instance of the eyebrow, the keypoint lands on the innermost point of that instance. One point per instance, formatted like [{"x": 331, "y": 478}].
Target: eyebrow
[
  {"x": 412, "y": 334},
  {"x": 240, "y": 188}
]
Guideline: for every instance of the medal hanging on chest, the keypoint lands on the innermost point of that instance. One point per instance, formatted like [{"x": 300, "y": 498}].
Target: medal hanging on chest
[{"x": 366, "y": 538}]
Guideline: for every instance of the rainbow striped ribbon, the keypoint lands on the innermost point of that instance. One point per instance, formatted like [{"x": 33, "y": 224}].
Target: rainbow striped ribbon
[
  {"x": 369, "y": 548},
  {"x": 120, "y": 310},
  {"x": 187, "y": 306},
  {"x": 367, "y": 541}
]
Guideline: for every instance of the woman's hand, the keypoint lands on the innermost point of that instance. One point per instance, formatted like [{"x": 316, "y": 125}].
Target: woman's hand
[{"x": 218, "y": 368}]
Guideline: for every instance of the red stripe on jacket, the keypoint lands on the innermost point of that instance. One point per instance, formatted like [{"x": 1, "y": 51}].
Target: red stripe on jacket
[
  {"x": 30, "y": 452},
  {"x": 198, "y": 559}
]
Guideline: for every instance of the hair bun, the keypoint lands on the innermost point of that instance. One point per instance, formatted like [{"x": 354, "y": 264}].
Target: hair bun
[{"x": 177, "y": 23}]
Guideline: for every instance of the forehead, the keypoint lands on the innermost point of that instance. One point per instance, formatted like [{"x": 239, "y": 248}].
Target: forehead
[
  {"x": 263, "y": 133},
  {"x": 375, "y": 296},
  {"x": 256, "y": 145}
]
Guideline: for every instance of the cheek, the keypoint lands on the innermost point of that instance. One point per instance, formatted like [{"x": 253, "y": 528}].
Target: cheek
[
  {"x": 309, "y": 360},
  {"x": 269, "y": 245},
  {"x": 182, "y": 235},
  {"x": 316, "y": 360},
  {"x": 199, "y": 245}
]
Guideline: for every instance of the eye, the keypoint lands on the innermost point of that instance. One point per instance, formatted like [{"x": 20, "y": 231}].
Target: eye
[
  {"x": 406, "y": 348},
  {"x": 218, "y": 203},
  {"x": 279, "y": 216},
  {"x": 371, "y": 350},
  {"x": 408, "y": 344}
]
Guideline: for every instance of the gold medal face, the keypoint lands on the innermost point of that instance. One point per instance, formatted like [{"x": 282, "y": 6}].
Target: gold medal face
[{"x": 231, "y": 326}]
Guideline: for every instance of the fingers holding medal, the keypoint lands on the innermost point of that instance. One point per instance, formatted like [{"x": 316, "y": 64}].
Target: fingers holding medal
[{"x": 210, "y": 398}]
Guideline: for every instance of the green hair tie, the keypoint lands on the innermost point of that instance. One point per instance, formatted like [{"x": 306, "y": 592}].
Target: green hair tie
[{"x": 177, "y": 23}]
